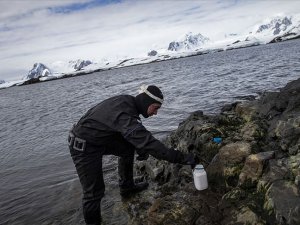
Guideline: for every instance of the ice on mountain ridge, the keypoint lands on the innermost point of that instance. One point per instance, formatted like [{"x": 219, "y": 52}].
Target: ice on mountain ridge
[
  {"x": 276, "y": 25},
  {"x": 79, "y": 64},
  {"x": 190, "y": 41},
  {"x": 38, "y": 70}
]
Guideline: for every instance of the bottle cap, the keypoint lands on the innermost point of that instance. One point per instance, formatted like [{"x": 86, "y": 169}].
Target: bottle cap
[{"x": 199, "y": 167}]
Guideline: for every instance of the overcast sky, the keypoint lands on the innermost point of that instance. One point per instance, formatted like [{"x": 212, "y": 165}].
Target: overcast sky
[{"x": 47, "y": 31}]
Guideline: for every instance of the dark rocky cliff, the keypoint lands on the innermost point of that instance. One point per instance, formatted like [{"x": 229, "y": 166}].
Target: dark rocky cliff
[{"x": 254, "y": 173}]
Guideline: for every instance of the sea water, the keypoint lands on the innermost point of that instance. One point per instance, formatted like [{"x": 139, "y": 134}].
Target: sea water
[{"x": 39, "y": 184}]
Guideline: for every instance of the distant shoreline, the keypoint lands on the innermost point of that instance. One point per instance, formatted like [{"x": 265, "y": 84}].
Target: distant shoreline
[{"x": 163, "y": 58}]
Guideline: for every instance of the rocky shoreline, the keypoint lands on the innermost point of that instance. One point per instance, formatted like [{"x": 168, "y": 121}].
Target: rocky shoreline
[{"x": 254, "y": 173}]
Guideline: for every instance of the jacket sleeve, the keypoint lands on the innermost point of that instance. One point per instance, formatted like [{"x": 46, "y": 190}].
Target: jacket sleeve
[{"x": 134, "y": 132}]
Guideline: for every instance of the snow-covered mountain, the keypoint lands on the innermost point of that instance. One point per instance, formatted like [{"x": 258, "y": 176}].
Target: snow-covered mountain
[
  {"x": 70, "y": 66},
  {"x": 270, "y": 31},
  {"x": 293, "y": 33},
  {"x": 2, "y": 81},
  {"x": 38, "y": 70},
  {"x": 79, "y": 64},
  {"x": 276, "y": 26},
  {"x": 278, "y": 29},
  {"x": 190, "y": 41}
]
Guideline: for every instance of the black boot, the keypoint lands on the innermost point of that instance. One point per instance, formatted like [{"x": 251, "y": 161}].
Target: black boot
[
  {"x": 133, "y": 188},
  {"x": 126, "y": 182}
]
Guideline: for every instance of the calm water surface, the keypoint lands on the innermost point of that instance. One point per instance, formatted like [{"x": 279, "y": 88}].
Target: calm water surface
[{"x": 39, "y": 184}]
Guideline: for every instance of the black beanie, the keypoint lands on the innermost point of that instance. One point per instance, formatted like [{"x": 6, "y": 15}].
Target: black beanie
[{"x": 144, "y": 99}]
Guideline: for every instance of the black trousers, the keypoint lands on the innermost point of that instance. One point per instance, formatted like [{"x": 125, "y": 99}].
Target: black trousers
[{"x": 88, "y": 165}]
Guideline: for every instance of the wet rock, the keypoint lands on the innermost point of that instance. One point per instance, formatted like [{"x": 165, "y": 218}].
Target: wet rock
[
  {"x": 281, "y": 104},
  {"x": 185, "y": 207},
  {"x": 156, "y": 171},
  {"x": 253, "y": 172},
  {"x": 246, "y": 97},
  {"x": 234, "y": 153},
  {"x": 246, "y": 110},
  {"x": 293, "y": 164},
  {"x": 253, "y": 168},
  {"x": 252, "y": 131},
  {"x": 228, "y": 107},
  {"x": 246, "y": 215},
  {"x": 241, "y": 206},
  {"x": 243, "y": 215},
  {"x": 284, "y": 204},
  {"x": 297, "y": 181},
  {"x": 167, "y": 211},
  {"x": 288, "y": 133},
  {"x": 281, "y": 190},
  {"x": 228, "y": 163}
]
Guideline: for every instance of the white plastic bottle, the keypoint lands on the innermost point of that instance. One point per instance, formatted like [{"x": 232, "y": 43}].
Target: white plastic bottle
[{"x": 200, "y": 177}]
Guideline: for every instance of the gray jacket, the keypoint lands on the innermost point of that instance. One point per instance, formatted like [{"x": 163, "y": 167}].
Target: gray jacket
[{"x": 119, "y": 116}]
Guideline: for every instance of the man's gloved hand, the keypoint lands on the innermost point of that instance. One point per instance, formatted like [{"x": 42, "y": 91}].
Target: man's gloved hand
[
  {"x": 191, "y": 159},
  {"x": 142, "y": 157}
]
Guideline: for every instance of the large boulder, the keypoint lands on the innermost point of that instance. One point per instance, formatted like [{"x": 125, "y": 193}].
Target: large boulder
[
  {"x": 273, "y": 105},
  {"x": 253, "y": 167},
  {"x": 282, "y": 199},
  {"x": 281, "y": 190},
  {"x": 228, "y": 163},
  {"x": 288, "y": 134}
]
